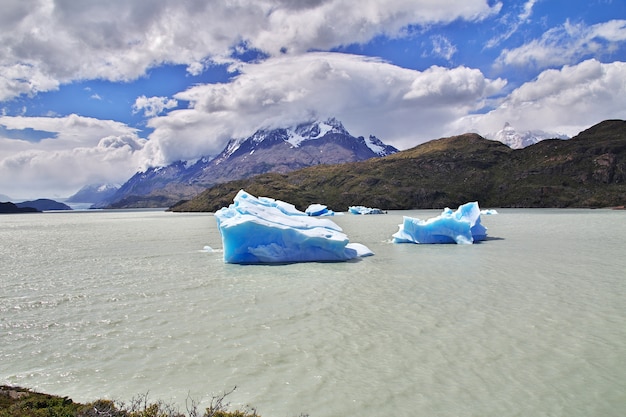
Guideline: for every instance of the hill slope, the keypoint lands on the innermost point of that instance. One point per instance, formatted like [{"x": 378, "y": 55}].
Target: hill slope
[
  {"x": 44, "y": 204},
  {"x": 588, "y": 170}
]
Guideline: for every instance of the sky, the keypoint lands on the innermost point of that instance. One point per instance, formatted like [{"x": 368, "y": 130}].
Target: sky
[{"x": 93, "y": 92}]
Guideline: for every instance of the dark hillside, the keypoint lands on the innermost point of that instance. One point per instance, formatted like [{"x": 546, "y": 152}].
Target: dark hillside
[{"x": 586, "y": 171}]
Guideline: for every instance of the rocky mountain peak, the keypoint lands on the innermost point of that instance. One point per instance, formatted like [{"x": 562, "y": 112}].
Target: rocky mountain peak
[{"x": 266, "y": 150}]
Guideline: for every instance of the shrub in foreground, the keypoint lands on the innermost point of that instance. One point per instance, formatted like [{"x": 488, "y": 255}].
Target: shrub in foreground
[{"x": 22, "y": 402}]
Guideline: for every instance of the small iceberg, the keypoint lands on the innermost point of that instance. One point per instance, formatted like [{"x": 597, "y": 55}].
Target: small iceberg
[
  {"x": 263, "y": 230},
  {"x": 318, "y": 210},
  {"x": 364, "y": 210},
  {"x": 461, "y": 226}
]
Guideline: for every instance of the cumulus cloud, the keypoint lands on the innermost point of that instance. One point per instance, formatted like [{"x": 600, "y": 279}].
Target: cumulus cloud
[
  {"x": 403, "y": 107},
  {"x": 566, "y": 44},
  {"x": 80, "y": 151},
  {"x": 19, "y": 78},
  {"x": 565, "y": 101},
  {"x": 46, "y": 43},
  {"x": 153, "y": 106},
  {"x": 465, "y": 87}
]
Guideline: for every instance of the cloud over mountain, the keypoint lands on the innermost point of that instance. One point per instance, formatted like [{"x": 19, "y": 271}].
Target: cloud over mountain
[
  {"x": 125, "y": 85},
  {"x": 82, "y": 151},
  {"x": 567, "y": 100},
  {"x": 368, "y": 95}
]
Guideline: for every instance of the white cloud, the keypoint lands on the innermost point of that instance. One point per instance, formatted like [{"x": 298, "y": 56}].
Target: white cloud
[
  {"x": 401, "y": 106},
  {"x": 512, "y": 23},
  {"x": 84, "y": 151},
  {"x": 19, "y": 78},
  {"x": 443, "y": 47},
  {"x": 566, "y": 44},
  {"x": 153, "y": 106},
  {"x": 442, "y": 87},
  {"x": 46, "y": 43},
  {"x": 73, "y": 130},
  {"x": 565, "y": 101}
]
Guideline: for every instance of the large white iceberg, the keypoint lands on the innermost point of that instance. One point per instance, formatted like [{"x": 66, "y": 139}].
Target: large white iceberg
[
  {"x": 263, "y": 230},
  {"x": 461, "y": 226}
]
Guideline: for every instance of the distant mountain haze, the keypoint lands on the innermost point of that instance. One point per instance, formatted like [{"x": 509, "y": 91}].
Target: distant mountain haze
[
  {"x": 93, "y": 193},
  {"x": 43, "y": 204},
  {"x": 518, "y": 140}
]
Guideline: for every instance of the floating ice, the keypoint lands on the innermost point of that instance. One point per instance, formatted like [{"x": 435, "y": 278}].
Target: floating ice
[
  {"x": 364, "y": 210},
  {"x": 318, "y": 210},
  {"x": 263, "y": 230},
  {"x": 461, "y": 226},
  {"x": 488, "y": 212}
]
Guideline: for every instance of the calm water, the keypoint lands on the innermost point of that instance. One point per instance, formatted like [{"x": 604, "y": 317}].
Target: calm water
[{"x": 117, "y": 304}]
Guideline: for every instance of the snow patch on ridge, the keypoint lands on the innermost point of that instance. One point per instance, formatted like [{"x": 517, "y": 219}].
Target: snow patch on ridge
[
  {"x": 311, "y": 131},
  {"x": 518, "y": 140}
]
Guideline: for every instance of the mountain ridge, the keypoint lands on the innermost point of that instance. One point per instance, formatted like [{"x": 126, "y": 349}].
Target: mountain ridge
[
  {"x": 588, "y": 170},
  {"x": 93, "y": 193},
  {"x": 267, "y": 150},
  {"x": 43, "y": 204}
]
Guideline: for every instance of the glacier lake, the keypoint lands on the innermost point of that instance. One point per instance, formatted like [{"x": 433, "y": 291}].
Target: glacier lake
[{"x": 116, "y": 304}]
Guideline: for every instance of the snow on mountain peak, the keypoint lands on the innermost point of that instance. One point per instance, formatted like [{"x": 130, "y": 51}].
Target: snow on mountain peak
[
  {"x": 106, "y": 187},
  {"x": 377, "y": 146},
  {"x": 518, "y": 140},
  {"x": 314, "y": 130},
  {"x": 296, "y": 135}
]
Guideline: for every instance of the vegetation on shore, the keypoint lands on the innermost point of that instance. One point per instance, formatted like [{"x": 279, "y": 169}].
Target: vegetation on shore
[
  {"x": 588, "y": 171},
  {"x": 22, "y": 402}
]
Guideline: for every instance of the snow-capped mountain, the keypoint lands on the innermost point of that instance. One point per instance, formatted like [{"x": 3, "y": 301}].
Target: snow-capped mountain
[
  {"x": 267, "y": 150},
  {"x": 93, "y": 193},
  {"x": 518, "y": 140},
  {"x": 301, "y": 135}
]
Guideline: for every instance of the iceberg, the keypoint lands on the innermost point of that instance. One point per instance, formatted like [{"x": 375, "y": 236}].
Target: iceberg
[
  {"x": 318, "y": 210},
  {"x": 263, "y": 230},
  {"x": 364, "y": 210},
  {"x": 461, "y": 226}
]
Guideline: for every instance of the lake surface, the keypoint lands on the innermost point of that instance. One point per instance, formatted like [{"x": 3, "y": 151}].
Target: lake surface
[{"x": 531, "y": 322}]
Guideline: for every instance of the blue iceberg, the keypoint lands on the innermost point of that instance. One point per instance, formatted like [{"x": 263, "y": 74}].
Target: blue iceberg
[
  {"x": 364, "y": 210},
  {"x": 318, "y": 210},
  {"x": 461, "y": 226},
  {"x": 263, "y": 230}
]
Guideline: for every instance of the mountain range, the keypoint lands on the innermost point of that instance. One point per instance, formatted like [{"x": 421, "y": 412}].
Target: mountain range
[
  {"x": 272, "y": 150},
  {"x": 33, "y": 206},
  {"x": 588, "y": 170}
]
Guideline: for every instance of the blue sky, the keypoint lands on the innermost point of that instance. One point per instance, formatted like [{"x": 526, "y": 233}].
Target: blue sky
[{"x": 92, "y": 92}]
